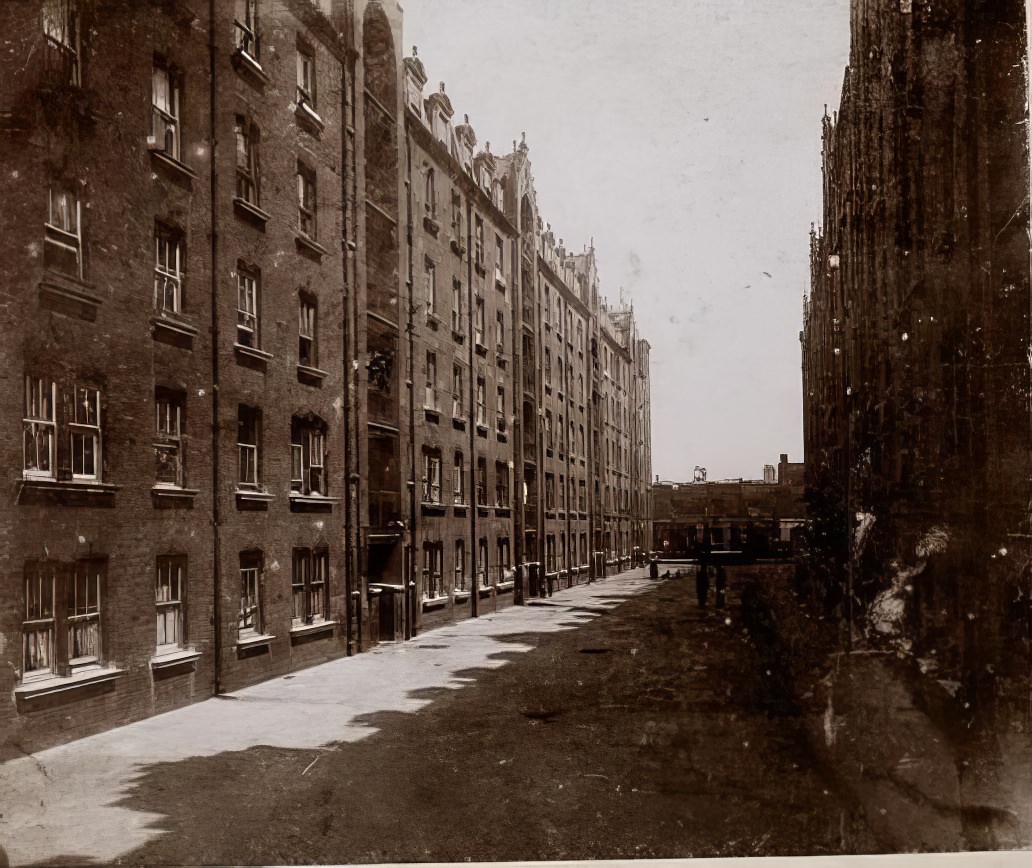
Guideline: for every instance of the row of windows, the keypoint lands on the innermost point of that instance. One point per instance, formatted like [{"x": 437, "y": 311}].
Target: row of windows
[
  {"x": 62, "y": 439},
  {"x": 64, "y": 607},
  {"x": 433, "y": 309},
  {"x": 560, "y": 562},
  {"x": 430, "y": 205},
  {"x": 578, "y": 493},
  {"x": 432, "y": 399},
  {"x": 434, "y": 586},
  {"x": 432, "y": 480}
]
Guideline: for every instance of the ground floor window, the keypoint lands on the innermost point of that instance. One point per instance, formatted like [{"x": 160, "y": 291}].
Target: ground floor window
[
  {"x": 250, "y": 622},
  {"x": 460, "y": 565},
  {"x": 310, "y": 586},
  {"x": 61, "y": 629},
  {"x": 170, "y": 601},
  {"x": 482, "y": 562},
  {"x": 433, "y": 569}
]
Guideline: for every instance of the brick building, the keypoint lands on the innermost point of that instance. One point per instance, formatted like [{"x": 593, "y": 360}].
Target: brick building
[
  {"x": 916, "y": 337},
  {"x": 264, "y": 340}
]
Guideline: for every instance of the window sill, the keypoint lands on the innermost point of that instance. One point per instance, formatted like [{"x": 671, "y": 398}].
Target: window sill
[
  {"x": 244, "y": 643},
  {"x": 502, "y": 437},
  {"x": 252, "y": 357},
  {"x": 480, "y": 270},
  {"x": 66, "y": 493},
  {"x": 460, "y": 509},
  {"x": 63, "y": 293},
  {"x": 458, "y": 248},
  {"x": 481, "y": 349},
  {"x": 311, "y": 502},
  {"x": 253, "y": 499},
  {"x": 250, "y": 212},
  {"x": 310, "y": 376},
  {"x": 433, "y": 320},
  {"x": 170, "y": 329},
  {"x": 181, "y": 657},
  {"x": 303, "y": 631},
  {"x": 458, "y": 423},
  {"x": 432, "y": 414},
  {"x": 458, "y": 337},
  {"x": 462, "y": 596},
  {"x": 249, "y": 68},
  {"x": 503, "y": 511},
  {"x": 60, "y": 684},
  {"x": 308, "y": 246},
  {"x": 165, "y": 496},
  {"x": 485, "y": 590},
  {"x": 431, "y": 226},
  {"x": 501, "y": 587},
  {"x": 309, "y": 118},
  {"x": 432, "y": 508},
  {"x": 435, "y": 602},
  {"x": 172, "y": 167},
  {"x": 481, "y": 430}
]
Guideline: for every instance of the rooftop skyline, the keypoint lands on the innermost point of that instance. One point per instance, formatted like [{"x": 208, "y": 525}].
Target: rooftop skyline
[{"x": 685, "y": 140}]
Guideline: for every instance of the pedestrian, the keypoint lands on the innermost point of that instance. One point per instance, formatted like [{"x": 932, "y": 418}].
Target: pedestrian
[
  {"x": 654, "y": 569},
  {"x": 702, "y": 584},
  {"x": 720, "y": 584}
]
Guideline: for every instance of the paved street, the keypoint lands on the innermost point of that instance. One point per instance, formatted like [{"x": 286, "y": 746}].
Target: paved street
[{"x": 610, "y": 721}]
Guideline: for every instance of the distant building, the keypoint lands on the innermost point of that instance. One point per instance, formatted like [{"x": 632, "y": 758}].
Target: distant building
[{"x": 752, "y": 517}]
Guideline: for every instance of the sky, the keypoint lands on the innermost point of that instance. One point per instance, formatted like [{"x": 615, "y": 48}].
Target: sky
[{"x": 684, "y": 138}]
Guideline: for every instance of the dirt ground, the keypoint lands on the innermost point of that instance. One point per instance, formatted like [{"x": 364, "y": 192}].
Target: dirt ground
[{"x": 657, "y": 730}]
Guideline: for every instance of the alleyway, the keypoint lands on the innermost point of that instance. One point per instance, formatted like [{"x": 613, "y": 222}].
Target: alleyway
[{"x": 626, "y": 723}]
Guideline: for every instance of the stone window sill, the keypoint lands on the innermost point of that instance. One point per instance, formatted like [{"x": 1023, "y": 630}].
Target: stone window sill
[
  {"x": 171, "y": 329},
  {"x": 462, "y": 596},
  {"x": 160, "y": 493},
  {"x": 66, "y": 294},
  {"x": 301, "y": 630},
  {"x": 250, "y": 212},
  {"x": 309, "y": 246},
  {"x": 311, "y": 376},
  {"x": 177, "y": 170},
  {"x": 251, "y": 356},
  {"x": 250, "y": 68},
  {"x": 60, "y": 684},
  {"x": 311, "y": 502},
  {"x": 255, "y": 641},
  {"x": 505, "y": 586},
  {"x": 309, "y": 118},
  {"x": 435, "y": 602},
  {"x": 66, "y": 492},
  {"x": 181, "y": 657}
]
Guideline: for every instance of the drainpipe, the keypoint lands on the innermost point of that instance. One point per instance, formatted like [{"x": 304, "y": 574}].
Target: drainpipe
[
  {"x": 216, "y": 480},
  {"x": 408, "y": 564},
  {"x": 347, "y": 251},
  {"x": 474, "y": 599}
]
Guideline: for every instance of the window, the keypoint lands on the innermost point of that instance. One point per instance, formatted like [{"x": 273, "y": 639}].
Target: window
[
  {"x": 168, "y": 438},
  {"x": 247, "y": 161},
  {"x": 246, "y": 26},
  {"x": 84, "y": 431},
  {"x": 562, "y": 491},
  {"x": 481, "y": 481},
  {"x": 482, "y": 562},
  {"x": 250, "y": 622},
  {"x": 479, "y": 258},
  {"x": 550, "y": 552},
  {"x": 170, "y": 602},
  {"x": 501, "y": 484},
  {"x": 456, "y": 217},
  {"x": 457, "y": 392},
  {"x": 549, "y": 437},
  {"x": 65, "y": 448},
  {"x": 168, "y": 269},
  {"x": 500, "y": 420},
  {"x": 306, "y": 322},
  {"x": 481, "y": 403},
  {"x": 500, "y": 331},
  {"x": 166, "y": 87},
  {"x": 431, "y": 476},
  {"x": 247, "y": 306},
  {"x": 459, "y": 479},
  {"x": 309, "y": 586},
  {"x": 430, "y": 194},
  {"x": 39, "y": 429},
  {"x": 249, "y": 424},
  {"x": 433, "y": 567},
  {"x": 430, "y": 286},
  {"x": 62, "y": 249},
  {"x": 499, "y": 257},
  {"x": 548, "y": 366},
  {"x": 61, "y": 630},
  {"x": 61, "y": 32},
  {"x": 460, "y": 565},
  {"x": 305, "y": 75},
  {"x": 504, "y": 563},
  {"x": 478, "y": 324},
  {"x": 431, "y": 381},
  {"x": 307, "y": 455},
  {"x": 549, "y": 491},
  {"x": 306, "y": 201},
  {"x": 456, "y": 311}
]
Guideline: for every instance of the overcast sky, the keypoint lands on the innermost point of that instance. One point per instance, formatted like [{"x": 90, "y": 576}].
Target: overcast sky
[{"x": 684, "y": 137}]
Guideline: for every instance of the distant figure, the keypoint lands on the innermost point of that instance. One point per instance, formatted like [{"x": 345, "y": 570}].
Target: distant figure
[
  {"x": 721, "y": 586},
  {"x": 654, "y": 569},
  {"x": 702, "y": 585}
]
